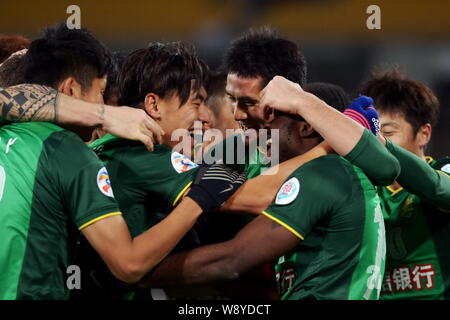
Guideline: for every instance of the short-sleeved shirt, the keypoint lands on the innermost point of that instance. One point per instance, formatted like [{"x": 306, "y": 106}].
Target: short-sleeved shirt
[
  {"x": 147, "y": 186},
  {"x": 51, "y": 186},
  {"x": 144, "y": 183},
  {"x": 418, "y": 243},
  {"x": 333, "y": 207}
]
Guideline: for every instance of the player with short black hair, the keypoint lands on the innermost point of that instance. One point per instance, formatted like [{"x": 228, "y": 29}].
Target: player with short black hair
[
  {"x": 417, "y": 204},
  {"x": 263, "y": 240},
  {"x": 60, "y": 52},
  {"x": 52, "y": 186}
]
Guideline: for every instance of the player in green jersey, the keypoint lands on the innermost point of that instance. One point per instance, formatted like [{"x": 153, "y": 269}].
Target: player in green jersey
[
  {"x": 51, "y": 184},
  {"x": 417, "y": 205},
  {"x": 325, "y": 222}
]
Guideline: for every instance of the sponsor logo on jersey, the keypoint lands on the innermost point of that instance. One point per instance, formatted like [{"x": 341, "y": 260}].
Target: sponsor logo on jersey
[
  {"x": 103, "y": 182},
  {"x": 288, "y": 192},
  {"x": 413, "y": 278},
  {"x": 446, "y": 168},
  {"x": 182, "y": 163}
]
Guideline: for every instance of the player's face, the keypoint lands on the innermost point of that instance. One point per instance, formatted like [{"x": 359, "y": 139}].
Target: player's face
[
  {"x": 398, "y": 130},
  {"x": 289, "y": 138},
  {"x": 93, "y": 95},
  {"x": 225, "y": 115},
  {"x": 174, "y": 116},
  {"x": 243, "y": 93},
  {"x": 95, "y": 92},
  {"x": 205, "y": 115}
]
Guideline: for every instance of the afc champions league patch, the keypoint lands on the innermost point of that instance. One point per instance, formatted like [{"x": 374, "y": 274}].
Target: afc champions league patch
[
  {"x": 103, "y": 182},
  {"x": 181, "y": 163},
  {"x": 446, "y": 168},
  {"x": 288, "y": 192}
]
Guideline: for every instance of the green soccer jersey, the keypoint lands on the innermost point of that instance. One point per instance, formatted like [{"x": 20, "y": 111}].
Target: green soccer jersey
[
  {"x": 147, "y": 186},
  {"x": 144, "y": 182},
  {"x": 418, "y": 244},
  {"x": 333, "y": 207},
  {"x": 51, "y": 186}
]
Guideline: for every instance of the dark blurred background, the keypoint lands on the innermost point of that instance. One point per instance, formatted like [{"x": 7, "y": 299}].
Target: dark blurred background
[{"x": 331, "y": 33}]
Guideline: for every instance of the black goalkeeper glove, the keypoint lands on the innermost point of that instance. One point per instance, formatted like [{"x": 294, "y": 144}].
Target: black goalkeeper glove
[{"x": 214, "y": 184}]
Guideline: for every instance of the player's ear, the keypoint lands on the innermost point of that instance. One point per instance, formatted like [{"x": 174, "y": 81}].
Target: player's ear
[
  {"x": 423, "y": 135},
  {"x": 70, "y": 87},
  {"x": 305, "y": 130},
  {"x": 151, "y": 105}
]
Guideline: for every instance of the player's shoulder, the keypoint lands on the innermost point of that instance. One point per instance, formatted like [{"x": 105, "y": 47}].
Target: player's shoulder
[
  {"x": 326, "y": 171},
  {"x": 442, "y": 164},
  {"x": 64, "y": 147},
  {"x": 330, "y": 164},
  {"x": 40, "y": 130}
]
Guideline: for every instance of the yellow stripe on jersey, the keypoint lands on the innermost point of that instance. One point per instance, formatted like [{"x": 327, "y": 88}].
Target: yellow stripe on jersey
[
  {"x": 283, "y": 224},
  {"x": 428, "y": 159},
  {"x": 394, "y": 191},
  {"x": 181, "y": 193},
  {"x": 99, "y": 218},
  {"x": 445, "y": 174}
]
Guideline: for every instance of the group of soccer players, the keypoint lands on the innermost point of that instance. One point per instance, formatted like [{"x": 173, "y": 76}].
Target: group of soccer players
[{"x": 354, "y": 209}]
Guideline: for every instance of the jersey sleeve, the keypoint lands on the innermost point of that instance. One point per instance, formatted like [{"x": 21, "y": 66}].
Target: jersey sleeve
[
  {"x": 162, "y": 172},
  {"x": 417, "y": 177},
  {"x": 375, "y": 160},
  {"x": 309, "y": 194},
  {"x": 83, "y": 181}
]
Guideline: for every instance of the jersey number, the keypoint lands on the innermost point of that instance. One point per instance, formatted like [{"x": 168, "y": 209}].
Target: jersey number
[
  {"x": 2, "y": 181},
  {"x": 374, "y": 281}
]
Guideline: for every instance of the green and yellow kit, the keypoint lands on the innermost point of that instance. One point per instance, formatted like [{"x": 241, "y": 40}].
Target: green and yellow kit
[
  {"x": 417, "y": 218},
  {"x": 334, "y": 209},
  {"x": 51, "y": 186}
]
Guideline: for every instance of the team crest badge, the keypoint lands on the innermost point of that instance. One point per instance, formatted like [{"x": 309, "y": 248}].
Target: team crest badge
[
  {"x": 182, "y": 163},
  {"x": 288, "y": 192},
  {"x": 103, "y": 182},
  {"x": 446, "y": 168}
]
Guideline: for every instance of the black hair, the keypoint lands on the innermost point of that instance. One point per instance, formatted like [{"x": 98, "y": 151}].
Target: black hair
[
  {"x": 12, "y": 71},
  {"x": 262, "y": 52},
  {"x": 111, "y": 89},
  {"x": 215, "y": 88},
  {"x": 161, "y": 68},
  {"x": 10, "y": 44},
  {"x": 62, "y": 52},
  {"x": 395, "y": 93},
  {"x": 334, "y": 95}
]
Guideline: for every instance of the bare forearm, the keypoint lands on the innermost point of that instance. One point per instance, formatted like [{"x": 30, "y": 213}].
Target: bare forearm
[
  {"x": 130, "y": 259},
  {"x": 258, "y": 193},
  {"x": 32, "y": 102},
  {"x": 341, "y": 132},
  {"x": 202, "y": 265},
  {"x": 155, "y": 244}
]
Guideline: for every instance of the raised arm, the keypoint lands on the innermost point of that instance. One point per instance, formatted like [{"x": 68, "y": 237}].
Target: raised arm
[
  {"x": 341, "y": 132},
  {"x": 31, "y": 102}
]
